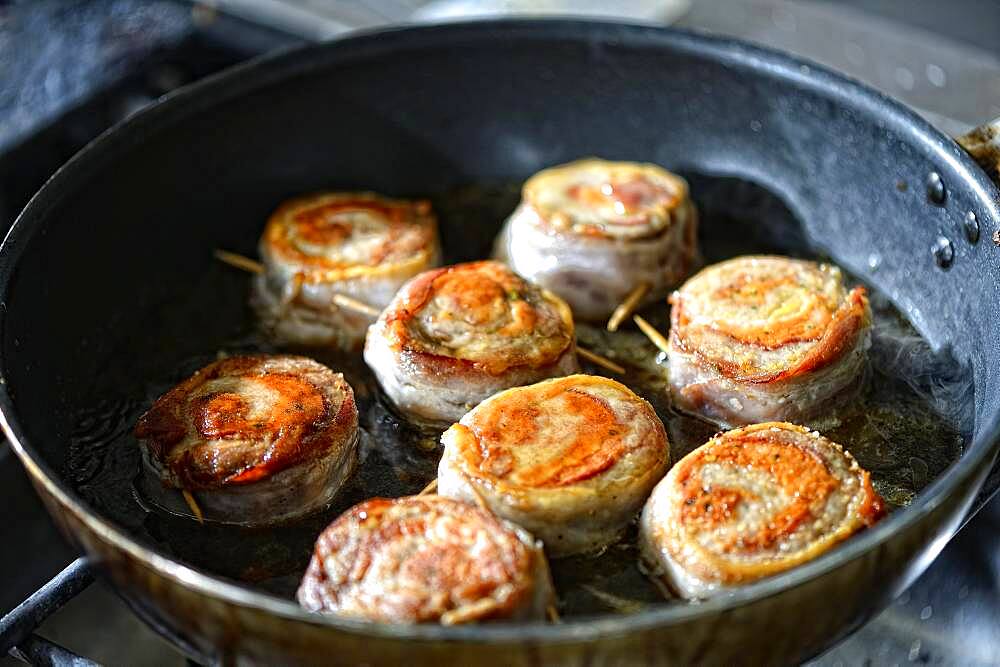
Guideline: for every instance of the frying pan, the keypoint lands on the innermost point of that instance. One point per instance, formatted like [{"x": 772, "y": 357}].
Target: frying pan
[{"x": 108, "y": 274}]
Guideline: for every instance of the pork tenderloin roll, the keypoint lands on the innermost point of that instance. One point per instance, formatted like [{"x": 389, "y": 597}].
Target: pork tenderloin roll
[
  {"x": 356, "y": 244},
  {"x": 749, "y": 504},
  {"x": 426, "y": 559},
  {"x": 592, "y": 231},
  {"x": 254, "y": 440},
  {"x": 570, "y": 459},
  {"x": 455, "y": 336},
  {"x": 766, "y": 338}
]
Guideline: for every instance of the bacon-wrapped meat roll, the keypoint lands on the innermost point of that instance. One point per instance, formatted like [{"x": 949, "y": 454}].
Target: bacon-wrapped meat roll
[
  {"x": 766, "y": 338},
  {"x": 426, "y": 559},
  {"x": 592, "y": 231},
  {"x": 751, "y": 503},
  {"x": 359, "y": 245},
  {"x": 457, "y": 335},
  {"x": 255, "y": 440},
  {"x": 570, "y": 459}
]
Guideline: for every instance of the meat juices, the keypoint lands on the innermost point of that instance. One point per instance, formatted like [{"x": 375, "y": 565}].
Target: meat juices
[
  {"x": 455, "y": 336},
  {"x": 255, "y": 440},
  {"x": 766, "y": 338},
  {"x": 592, "y": 231},
  {"x": 359, "y": 245},
  {"x": 749, "y": 504},
  {"x": 426, "y": 559},
  {"x": 570, "y": 459}
]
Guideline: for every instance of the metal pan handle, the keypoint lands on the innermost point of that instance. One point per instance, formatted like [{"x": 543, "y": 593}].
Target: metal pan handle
[{"x": 983, "y": 144}]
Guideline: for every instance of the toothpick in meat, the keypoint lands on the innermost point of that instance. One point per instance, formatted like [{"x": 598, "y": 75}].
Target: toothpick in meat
[
  {"x": 603, "y": 362},
  {"x": 253, "y": 266},
  {"x": 239, "y": 261},
  {"x": 658, "y": 339},
  {"x": 193, "y": 505},
  {"x": 626, "y": 307}
]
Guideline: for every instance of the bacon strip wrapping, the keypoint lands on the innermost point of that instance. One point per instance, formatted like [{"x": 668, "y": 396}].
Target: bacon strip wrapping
[
  {"x": 455, "y": 336},
  {"x": 255, "y": 440},
  {"x": 571, "y": 459},
  {"x": 761, "y": 338},
  {"x": 355, "y": 244},
  {"x": 751, "y": 503},
  {"x": 426, "y": 559},
  {"x": 592, "y": 231}
]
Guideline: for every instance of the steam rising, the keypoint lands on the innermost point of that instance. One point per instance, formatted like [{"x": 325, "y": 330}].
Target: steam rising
[{"x": 937, "y": 377}]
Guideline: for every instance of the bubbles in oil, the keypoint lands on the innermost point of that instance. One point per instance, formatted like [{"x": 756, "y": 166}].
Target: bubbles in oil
[{"x": 905, "y": 426}]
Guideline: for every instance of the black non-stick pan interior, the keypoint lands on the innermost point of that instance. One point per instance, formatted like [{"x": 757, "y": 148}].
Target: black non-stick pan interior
[{"x": 115, "y": 295}]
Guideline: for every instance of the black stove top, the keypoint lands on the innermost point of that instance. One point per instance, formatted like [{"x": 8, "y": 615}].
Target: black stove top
[{"x": 74, "y": 68}]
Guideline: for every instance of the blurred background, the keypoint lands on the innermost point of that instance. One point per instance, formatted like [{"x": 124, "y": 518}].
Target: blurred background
[{"x": 69, "y": 69}]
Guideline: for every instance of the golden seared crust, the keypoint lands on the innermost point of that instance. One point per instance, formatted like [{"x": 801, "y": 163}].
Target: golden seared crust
[
  {"x": 242, "y": 419},
  {"x": 559, "y": 433},
  {"x": 599, "y": 198},
  {"x": 424, "y": 559},
  {"x": 753, "y": 502},
  {"x": 763, "y": 318},
  {"x": 477, "y": 316},
  {"x": 334, "y": 236},
  {"x": 320, "y": 247},
  {"x": 570, "y": 459},
  {"x": 592, "y": 231}
]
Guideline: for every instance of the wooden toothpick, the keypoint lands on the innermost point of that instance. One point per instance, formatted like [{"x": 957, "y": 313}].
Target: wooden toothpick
[
  {"x": 253, "y": 266},
  {"x": 651, "y": 333},
  {"x": 193, "y": 505},
  {"x": 626, "y": 307},
  {"x": 603, "y": 362},
  {"x": 239, "y": 261}
]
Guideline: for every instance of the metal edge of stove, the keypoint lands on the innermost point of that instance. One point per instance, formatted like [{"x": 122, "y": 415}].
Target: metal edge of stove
[{"x": 314, "y": 21}]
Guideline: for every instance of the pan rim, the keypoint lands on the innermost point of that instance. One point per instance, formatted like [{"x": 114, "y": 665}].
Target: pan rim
[{"x": 299, "y": 61}]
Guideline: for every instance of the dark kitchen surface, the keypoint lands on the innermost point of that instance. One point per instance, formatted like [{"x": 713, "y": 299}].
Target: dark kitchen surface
[
  {"x": 69, "y": 69},
  {"x": 88, "y": 45}
]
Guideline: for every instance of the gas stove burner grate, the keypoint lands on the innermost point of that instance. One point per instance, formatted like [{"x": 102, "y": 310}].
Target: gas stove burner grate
[{"x": 17, "y": 628}]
